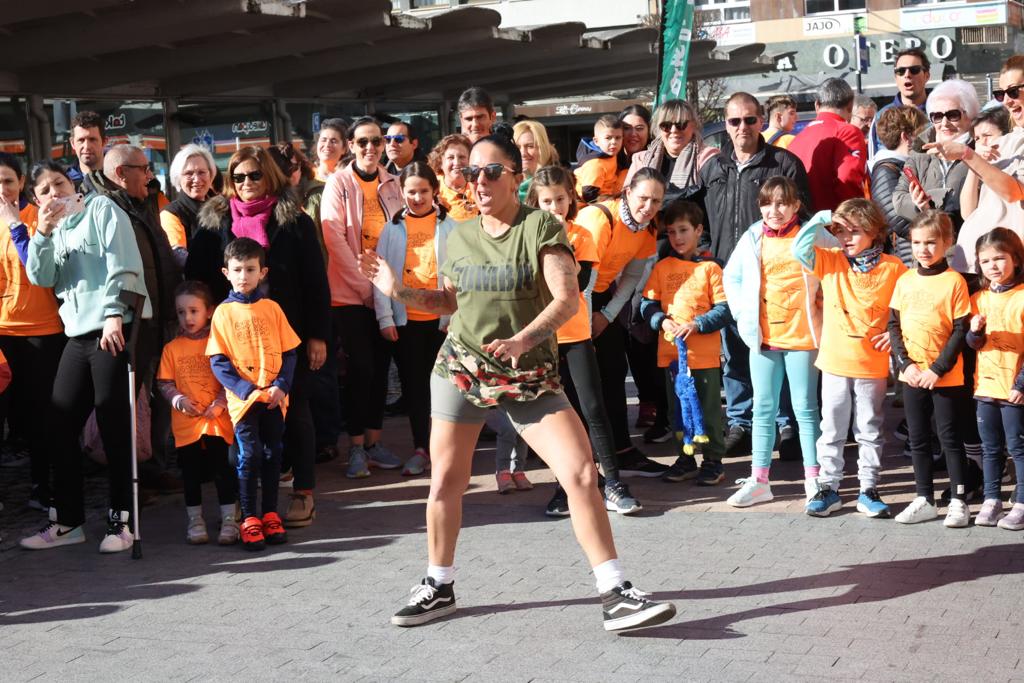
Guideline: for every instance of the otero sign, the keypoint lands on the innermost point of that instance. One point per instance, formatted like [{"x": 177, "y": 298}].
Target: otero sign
[{"x": 938, "y": 48}]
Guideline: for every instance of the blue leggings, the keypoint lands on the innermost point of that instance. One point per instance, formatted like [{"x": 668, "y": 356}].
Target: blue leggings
[{"x": 767, "y": 370}]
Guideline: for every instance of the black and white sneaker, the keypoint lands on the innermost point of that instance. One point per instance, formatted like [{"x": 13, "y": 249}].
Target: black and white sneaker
[
  {"x": 429, "y": 601},
  {"x": 633, "y": 463},
  {"x": 558, "y": 506},
  {"x": 626, "y": 607},
  {"x": 617, "y": 498}
]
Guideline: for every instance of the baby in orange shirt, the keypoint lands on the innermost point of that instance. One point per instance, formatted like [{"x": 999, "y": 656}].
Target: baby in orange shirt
[{"x": 600, "y": 177}]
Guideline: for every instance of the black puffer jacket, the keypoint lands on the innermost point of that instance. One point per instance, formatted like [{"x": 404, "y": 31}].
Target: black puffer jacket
[
  {"x": 297, "y": 280},
  {"x": 730, "y": 196},
  {"x": 885, "y": 175}
]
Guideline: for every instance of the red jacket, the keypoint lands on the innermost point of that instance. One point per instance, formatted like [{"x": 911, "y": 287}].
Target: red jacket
[{"x": 834, "y": 154}]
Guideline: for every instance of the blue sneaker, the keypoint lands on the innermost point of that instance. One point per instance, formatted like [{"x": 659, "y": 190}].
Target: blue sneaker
[
  {"x": 357, "y": 465},
  {"x": 381, "y": 457},
  {"x": 824, "y": 502},
  {"x": 871, "y": 505}
]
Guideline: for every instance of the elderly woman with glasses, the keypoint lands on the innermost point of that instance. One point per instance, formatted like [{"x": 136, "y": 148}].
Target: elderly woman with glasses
[
  {"x": 678, "y": 150},
  {"x": 192, "y": 172},
  {"x": 359, "y": 200},
  {"x": 259, "y": 203}
]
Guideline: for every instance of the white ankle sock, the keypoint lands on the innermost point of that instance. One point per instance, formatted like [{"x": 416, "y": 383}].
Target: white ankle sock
[
  {"x": 441, "y": 575},
  {"x": 228, "y": 511},
  {"x": 194, "y": 511},
  {"x": 608, "y": 575}
]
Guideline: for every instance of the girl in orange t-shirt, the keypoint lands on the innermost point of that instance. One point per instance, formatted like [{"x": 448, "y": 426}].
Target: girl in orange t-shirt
[
  {"x": 929, "y": 319},
  {"x": 200, "y": 423},
  {"x": 997, "y": 334},
  {"x": 553, "y": 191}
]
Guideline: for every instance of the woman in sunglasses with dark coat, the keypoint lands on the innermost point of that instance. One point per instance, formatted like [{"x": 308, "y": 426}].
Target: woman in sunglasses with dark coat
[
  {"x": 259, "y": 203},
  {"x": 359, "y": 200}
]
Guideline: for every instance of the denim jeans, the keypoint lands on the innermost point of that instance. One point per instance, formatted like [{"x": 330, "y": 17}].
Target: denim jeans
[{"x": 999, "y": 424}]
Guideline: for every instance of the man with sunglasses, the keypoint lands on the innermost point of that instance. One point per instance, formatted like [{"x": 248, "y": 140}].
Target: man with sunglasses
[
  {"x": 832, "y": 150},
  {"x": 911, "y": 72},
  {"x": 401, "y": 146}
]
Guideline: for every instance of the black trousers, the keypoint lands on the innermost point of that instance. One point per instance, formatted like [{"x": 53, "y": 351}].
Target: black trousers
[
  {"x": 649, "y": 378},
  {"x": 947, "y": 405},
  {"x": 33, "y": 362},
  {"x": 415, "y": 355},
  {"x": 369, "y": 357},
  {"x": 582, "y": 380},
  {"x": 204, "y": 460},
  {"x": 89, "y": 377},
  {"x": 610, "y": 347},
  {"x": 299, "y": 429}
]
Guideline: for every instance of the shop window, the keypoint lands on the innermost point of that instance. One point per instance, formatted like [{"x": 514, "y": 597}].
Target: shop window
[
  {"x": 833, "y": 6},
  {"x": 722, "y": 11}
]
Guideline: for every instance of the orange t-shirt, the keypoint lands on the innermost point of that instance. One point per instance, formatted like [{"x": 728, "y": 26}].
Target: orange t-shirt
[
  {"x": 373, "y": 213},
  {"x": 185, "y": 363},
  {"x": 784, "y": 316},
  {"x": 253, "y": 336},
  {"x": 420, "y": 259},
  {"x": 577, "y": 328},
  {"x": 602, "y": 173},
  {"x": 856, "y": 308},
  {"x": 928, "y": 305},
  {"x": 687, "y": 289},
  {"x": 174, "y": 229},
  {"x": 26, "y": 310},
  {"x": 459, "y": 204},
  {"x": 616, "y": 246},
  {"x": 999, "y": 360}
]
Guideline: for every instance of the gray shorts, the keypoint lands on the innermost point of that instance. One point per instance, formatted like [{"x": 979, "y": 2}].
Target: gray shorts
[{"x": 447, "y": 403}]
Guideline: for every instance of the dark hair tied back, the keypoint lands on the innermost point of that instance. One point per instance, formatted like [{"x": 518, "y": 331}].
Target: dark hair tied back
[{"x": 501, "y": 137}]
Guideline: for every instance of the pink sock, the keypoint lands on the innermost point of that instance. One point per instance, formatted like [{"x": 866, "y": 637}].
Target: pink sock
[
  {"x": 760, "y": 474},
  {"x": 811, "y": 472}
]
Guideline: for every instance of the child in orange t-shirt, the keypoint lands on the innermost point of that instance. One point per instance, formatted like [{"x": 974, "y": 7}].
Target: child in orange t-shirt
[
  {"x": 930, "y": 315},
  {"x": 684, "y": 298},
  {"x": 997, "y": 334},
  {"x": 857, "y": 281},
  {"x": 252, "y": 353},
  {"x": 200, "y": 423},
  {"x": 600, "y": 177}
]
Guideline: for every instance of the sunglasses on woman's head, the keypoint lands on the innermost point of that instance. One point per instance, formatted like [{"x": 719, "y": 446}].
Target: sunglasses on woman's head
[
  {"x": 667, "y": 126},
  {"x": 735, "y": 122},
  {"x": 400, "y": 139},
  {"x": 953, "y": 115},
  {"x": 1013, "y": 91},
  {"x": 914, "y": 70},
  {"x": 376, "y": 141},
  {"x": 490, "y": 171},
  {"x": 239, "y": 178}
]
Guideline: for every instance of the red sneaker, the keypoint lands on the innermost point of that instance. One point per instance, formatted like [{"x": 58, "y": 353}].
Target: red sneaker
[
  {"x": 252, "y": 534},
  {"x": 273, "y": 529}
]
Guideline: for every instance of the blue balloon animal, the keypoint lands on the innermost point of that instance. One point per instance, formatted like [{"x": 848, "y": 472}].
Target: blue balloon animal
[{"x": 689, "y": 416}]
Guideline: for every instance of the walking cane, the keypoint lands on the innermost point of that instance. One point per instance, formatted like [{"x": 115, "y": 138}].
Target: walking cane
[{"x": 135, "y": 302}]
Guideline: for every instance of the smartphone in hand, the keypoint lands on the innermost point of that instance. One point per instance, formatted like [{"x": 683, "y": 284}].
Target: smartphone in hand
[
  {"x": 74, "y": 204},
  {"x": 912, "y": 178}
]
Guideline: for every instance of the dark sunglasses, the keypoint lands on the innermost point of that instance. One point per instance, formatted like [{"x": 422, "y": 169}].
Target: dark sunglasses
[
  {"x": 490, "y": 171},
  {"x": 375, "y": 141},
  {"x": 667, "y": 126},
  {"x": 914, "y": 70},
  {"x": 1013, "y": 91},
  {"x": 394, "y": 138},
  {"x": 735, "y": 123},
  {"x": 239, "y": 178},
  {"x": 953, "y": 115}
]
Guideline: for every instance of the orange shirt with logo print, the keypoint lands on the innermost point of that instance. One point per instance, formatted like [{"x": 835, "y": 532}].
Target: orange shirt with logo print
[
  {"x": 420, "y": 259},
  {"x": 26, "y": 310},
  {"x": 253, "y": 337},
  {"x": 687, "y": 289},
  {"x": 785, "y": 321},
  {"x": 374, "y": 219},
  {"x": 577, "y": 328},
  {"x": 185, "y": 363},
  {"x": 856, "y": 308},
  {"x": 928, "y": 306},
  {"x": 459, "y": 204},
  {"x": 616, "y": 245},
  {"x": 999, "y": 360}
]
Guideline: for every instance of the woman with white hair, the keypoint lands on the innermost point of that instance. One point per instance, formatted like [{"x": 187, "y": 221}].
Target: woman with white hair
[
  {"x": 951, "y": 107},
  {"x": 192, "y": 173}
]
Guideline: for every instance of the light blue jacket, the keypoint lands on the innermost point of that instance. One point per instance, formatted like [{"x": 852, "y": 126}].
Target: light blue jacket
[
  {"x": 392, "y": 247},
  {"x": 742, "y": 282},
  {"x": 88, "y": 259}
]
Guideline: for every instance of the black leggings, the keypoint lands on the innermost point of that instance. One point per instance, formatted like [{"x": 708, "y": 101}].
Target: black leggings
[
  {"x": 947, "y": 405},
  {"x": 33, "y": 362},
  {"x": 366, "y": 375},
  {"x": 610, "y": 347},
  {"x": 415, "y": 355},
  {"x": 299, "y": 431},
  {"x": 582, "y": 380},
  {"x": 89, "y": 377},
  {"x": 205, "y": 459},
  {"x": 648, "y": 377}
]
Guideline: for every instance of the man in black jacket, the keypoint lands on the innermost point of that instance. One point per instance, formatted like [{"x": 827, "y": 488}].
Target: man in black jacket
[{"x": 730, "y": 182}]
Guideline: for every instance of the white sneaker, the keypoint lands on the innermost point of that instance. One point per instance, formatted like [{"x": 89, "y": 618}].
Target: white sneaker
[
  {"x": 919, "y": 510},
  {"x": 751, "y": 492},
  {"x": 958, "y": 515},
  {"x": 53, "y": 535},
  {"x": 196, "y": 534},
  {"x": 119, "y": 536},
  {"x": 229, "y": 533}
]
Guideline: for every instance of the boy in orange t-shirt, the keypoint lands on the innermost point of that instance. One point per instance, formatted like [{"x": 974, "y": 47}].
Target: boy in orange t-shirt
[
  {"x": 200, "y": 423},
  {"x": 684, "y": 298},
  {"x": 857, "y": 282},
  {"x": 252, "y": 353},
  {"x": 600, "y": 177}
]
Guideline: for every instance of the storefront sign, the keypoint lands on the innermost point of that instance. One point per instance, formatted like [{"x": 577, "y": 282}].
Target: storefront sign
[
  {"x": 883, "y": 51},
  {"x": 935, "y": 17},
  {"x": 115, "y": 121},
  {"x": 250, "y": 127},
  {"x": 828, "y": 26},
  {"x": 728, "y": 34}
]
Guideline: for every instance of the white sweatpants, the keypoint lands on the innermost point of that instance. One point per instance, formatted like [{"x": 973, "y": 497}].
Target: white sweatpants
[{"x": 841, "y": 398}]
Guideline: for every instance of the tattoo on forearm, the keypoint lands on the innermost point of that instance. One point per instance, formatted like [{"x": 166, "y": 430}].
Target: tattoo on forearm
[
  {"x": 430, "y": 300},
  {"x": 560, "y": 275}
]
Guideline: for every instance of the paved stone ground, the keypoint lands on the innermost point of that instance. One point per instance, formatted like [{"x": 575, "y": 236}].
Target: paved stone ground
[{"x": 762, "y": 593}]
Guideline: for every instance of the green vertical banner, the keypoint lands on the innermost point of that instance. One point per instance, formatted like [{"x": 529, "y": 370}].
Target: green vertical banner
[{"x": 676, "y": 30}]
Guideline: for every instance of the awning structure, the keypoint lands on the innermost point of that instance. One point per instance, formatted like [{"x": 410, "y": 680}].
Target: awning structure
[{"x": 332, "y": 49}]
